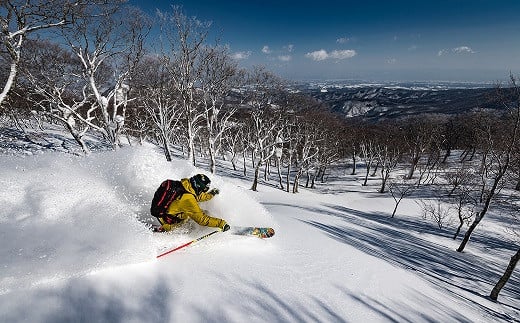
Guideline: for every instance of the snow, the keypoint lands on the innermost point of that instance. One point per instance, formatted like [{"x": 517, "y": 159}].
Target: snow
[{"x": 76, "y": 248}]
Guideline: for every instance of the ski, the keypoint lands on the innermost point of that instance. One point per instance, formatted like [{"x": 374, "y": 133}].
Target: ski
[{"x": 260, "y": 232}]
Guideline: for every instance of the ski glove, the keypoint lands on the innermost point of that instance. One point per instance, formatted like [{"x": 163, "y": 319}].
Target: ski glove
[
  {"x": 214, "y": 191},
  {"x": 226, "y": 227}
]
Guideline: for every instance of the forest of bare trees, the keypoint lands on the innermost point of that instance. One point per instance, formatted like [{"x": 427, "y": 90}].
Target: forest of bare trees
[{"x": 104, "y": 67}]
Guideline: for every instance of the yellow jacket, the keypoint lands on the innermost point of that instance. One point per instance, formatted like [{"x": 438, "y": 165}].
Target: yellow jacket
[{"x": 187, "y": 207}]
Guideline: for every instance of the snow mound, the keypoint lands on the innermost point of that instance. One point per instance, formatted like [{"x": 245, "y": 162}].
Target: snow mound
[{"x": 64, "y": 216}]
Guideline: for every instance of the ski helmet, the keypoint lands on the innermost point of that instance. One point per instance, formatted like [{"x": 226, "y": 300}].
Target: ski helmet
[{"x": 200, "y": 183}]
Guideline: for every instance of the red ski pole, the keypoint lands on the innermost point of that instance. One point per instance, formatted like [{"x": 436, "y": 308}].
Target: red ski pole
[{"x": 187, "y": 244}]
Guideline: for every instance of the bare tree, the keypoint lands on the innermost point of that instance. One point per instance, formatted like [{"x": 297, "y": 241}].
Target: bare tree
[
  {"x": 461, "y": 181},
  {"x": 58, "y": 89},
  {"x": 420, "y": 135},
  {"x": 184, "y": 43},
  {"x": 306, "y": 149},
  {"x": 330, "y": 142},
  {"x": 388, "y": 151},
  {"x": 399, "y": 188},
  {"x": 436, "y": 210},
  {"x": 21, "y": 18},
  {"x": 153, "y": 88},
  {"x": 234, "y": 141},
  {"x": 500, "y": 143},
  {"x": 515, "y": 230},
  {"x": 219, "y": 76},
  {"x": 505, "y": 277},
  {"x": 264, "y": 117},
  {"x": 109, "y": 43},
  {"x": 285, "y": 147},
  {"x": 368, "y": 152}
]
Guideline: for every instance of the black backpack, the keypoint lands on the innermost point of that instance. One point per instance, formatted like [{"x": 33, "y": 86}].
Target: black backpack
[{"x": 169, "y": 191}]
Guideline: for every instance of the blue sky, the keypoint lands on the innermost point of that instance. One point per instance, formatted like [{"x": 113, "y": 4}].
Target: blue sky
[{"x": 449, "y": 40}]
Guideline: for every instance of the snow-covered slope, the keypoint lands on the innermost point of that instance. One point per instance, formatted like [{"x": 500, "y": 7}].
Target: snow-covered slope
[{"x": 76, "y": 248}]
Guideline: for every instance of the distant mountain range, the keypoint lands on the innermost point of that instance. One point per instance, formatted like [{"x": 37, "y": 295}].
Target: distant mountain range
[{"x": 387, "y": 101}]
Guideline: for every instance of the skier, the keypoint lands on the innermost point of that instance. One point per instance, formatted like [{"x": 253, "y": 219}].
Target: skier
[{"x": 187, "y": 207}]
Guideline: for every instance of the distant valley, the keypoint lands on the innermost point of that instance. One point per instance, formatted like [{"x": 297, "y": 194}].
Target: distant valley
[{"x": 373, "y": 102}]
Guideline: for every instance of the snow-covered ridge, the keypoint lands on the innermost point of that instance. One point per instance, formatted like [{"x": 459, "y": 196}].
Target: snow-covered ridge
[
  {"x": 417, "y": 85},
  {"x": 379, "y": 101}
]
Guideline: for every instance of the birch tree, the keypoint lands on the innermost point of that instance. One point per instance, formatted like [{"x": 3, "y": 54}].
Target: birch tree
[
  {"x": 109, "y": 43},
  {"x": 58, "y": 89},
  {"x": 184, "y": 43},
  {"x": 388, "y": 152},
  {"x": 21, "y": 18},
  {"x": 220, "y": 75},
  {"x": 306, "y": 150},
  {"x": 264, "y": 117},
  {"x": 154, "y": 91},
  {"x": 368, "y": 152}
]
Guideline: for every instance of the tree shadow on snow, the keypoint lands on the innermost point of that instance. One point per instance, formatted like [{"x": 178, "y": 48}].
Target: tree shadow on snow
[
  {"x": 79, "y": 302},
  {"x": 398, "y": 242},
  {"x": 257, "y": 302}
]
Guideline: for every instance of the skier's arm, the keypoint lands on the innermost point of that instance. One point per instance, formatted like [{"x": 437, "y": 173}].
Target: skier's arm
[
  {"x": 193, "y": 210},
  {"x": 206, "y": 196}
]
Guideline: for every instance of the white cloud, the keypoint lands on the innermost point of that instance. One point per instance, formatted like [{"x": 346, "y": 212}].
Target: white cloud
[
  {"x": 343, "y": 54},
  {"x": 463, "y": 49},
  {"x": 318, "y": 55},
  {"x": 412, "y": 48},
  {"x": 391, "y": 61},
  {"x": 241, "y": 55},
  {"x": 266, "y": 50},
  {"x": 342, "y": 40},
  {"x": 289, "y": 47},
  {"x": 322, "y": 54},
  {"x": 457, "y": 50},
  {"x": 285, "y": 58}
]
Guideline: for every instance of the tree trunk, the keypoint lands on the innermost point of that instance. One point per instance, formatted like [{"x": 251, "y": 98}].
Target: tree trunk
[
  {"x": 384, "y": 179},
  {"x": 413, "y": 166},
  {"x": 212, "y": 159},
  {"x": 322, "y": 178},
  {"x": 191, "y": 143},
  {"x": 288, "y": 175},
  {"x": 458, "y": 230},
  {"x": 78, "y": 138},
  {"x": 505, "y": 277},
  {"x": 472, "y": 227},
  {"x": 367, "y": 173},
  {"x": 313, "y": 179},
  {"x": 375, "y": 169},
  {"x": 354, "y": 165},
  {"x": 255, "y": 178},
  {"x": 244, "y": 163},
  {"x": 296, "y": 182},
  {"x": 279, "y": 167},
  {"x": 233, "y": 161},
  {"x": 461, "y": 221},
  {"x": 10, "y": 81},
  {"x": 446, "y": 155},
  {"x": 395, "y": 208},
  {"x": 166, "y": 147}
]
